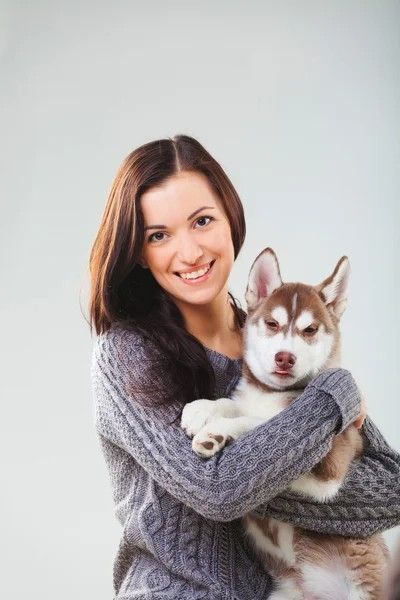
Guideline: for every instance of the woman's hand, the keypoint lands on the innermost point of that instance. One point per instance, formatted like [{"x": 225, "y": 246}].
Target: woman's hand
[{"x": 359, "y": 422}]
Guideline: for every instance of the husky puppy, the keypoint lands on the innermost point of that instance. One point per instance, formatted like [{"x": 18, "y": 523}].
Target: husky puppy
[{"x": 292, "y": 334}]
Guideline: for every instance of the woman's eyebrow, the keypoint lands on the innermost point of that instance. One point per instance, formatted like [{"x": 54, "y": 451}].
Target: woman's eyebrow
[
  {"x": 189, "y": 217},
  {"x": 199, "y": 210}
]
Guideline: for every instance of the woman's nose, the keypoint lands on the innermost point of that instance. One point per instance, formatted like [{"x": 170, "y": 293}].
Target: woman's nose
[{"x": 189, "y": 250}]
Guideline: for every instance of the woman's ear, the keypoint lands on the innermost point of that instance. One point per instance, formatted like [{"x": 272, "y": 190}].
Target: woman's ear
[{"x": 143, "y": 263}]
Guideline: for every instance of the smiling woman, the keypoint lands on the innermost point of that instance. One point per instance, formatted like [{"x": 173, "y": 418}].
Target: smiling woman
[
  {"x": 169, "y": 332},
  {"x": 192, "y": 255},
  {"x": 172, "y": 227}
]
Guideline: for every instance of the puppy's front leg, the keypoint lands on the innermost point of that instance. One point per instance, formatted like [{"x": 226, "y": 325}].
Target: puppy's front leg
[
  {"x": 199, "y": 412},
  {"x": 216, "y": 433}
]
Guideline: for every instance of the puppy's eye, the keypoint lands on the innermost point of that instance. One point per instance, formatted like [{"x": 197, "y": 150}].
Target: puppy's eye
[
  {"x": 310, "y": 330},
  {"x": 271, "y": 324}
]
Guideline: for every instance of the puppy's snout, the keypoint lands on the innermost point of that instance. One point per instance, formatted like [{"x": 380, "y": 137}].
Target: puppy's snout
[{"x": 285, "y": 360}]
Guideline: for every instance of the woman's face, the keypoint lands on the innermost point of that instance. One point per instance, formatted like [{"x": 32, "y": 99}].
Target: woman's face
[{"x": 187, "y": 239}]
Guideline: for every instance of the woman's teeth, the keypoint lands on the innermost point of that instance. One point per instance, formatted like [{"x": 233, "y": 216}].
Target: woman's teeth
[{"x": 195, "y": 274}]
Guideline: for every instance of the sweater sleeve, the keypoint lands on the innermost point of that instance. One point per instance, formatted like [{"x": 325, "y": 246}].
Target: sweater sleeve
[
  {"x": 247, "y": 473},
  {"x": 367, "y": 503}
]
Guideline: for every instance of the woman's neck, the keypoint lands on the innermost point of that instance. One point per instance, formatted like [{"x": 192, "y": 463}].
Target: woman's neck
[{"x": 213, "y": 324}]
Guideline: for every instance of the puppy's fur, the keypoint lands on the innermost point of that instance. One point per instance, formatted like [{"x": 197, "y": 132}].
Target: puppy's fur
[{"x": 291, "y": 335}]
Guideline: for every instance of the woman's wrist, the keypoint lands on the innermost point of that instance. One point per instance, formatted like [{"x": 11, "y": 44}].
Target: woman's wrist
[{"x": 341, "y": 386}]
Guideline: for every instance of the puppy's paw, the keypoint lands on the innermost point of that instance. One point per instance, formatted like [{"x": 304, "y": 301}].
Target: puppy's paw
[
  {"x": 207, "y": 443},
  {"x": 196, "y": 414}
]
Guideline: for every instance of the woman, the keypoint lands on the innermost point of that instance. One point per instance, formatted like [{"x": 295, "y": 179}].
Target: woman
[{"x": 169, "y": 332}]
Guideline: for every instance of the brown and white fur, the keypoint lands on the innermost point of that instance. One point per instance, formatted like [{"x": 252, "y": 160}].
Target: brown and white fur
[{"x": 292, "y": 334}]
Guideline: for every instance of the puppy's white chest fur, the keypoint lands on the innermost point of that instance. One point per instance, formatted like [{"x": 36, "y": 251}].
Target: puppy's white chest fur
[{"x": 253, "y": 401}]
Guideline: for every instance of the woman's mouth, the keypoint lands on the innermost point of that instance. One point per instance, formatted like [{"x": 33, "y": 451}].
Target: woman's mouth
[{"x": 196, "y": 276}]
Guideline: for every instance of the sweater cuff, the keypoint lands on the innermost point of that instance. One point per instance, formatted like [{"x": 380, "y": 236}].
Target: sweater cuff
[{"x": 340, "y": 385}]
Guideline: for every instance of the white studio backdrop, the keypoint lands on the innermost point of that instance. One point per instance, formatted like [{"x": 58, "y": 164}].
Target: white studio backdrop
[{"x": 298, "y": 101}]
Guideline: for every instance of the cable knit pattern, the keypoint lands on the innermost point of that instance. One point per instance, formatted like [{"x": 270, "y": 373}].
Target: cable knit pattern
[{"x": 182, "y": 535}]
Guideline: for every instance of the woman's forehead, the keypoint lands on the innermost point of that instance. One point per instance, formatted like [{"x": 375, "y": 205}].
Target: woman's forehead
[{"x": 180, "y": 194}]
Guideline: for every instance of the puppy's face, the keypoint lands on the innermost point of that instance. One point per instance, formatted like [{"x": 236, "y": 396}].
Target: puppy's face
[{"x": 292, "y": 330}]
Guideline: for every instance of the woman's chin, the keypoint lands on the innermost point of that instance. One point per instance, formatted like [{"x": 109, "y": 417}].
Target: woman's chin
[{"x": 197, "y": 296}]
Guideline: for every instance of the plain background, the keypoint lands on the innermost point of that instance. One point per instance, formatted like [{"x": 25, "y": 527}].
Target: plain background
[{"x": 298, "y": 101}]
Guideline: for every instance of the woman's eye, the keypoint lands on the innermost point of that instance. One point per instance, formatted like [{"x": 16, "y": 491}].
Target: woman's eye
[
  {"x": 154, "y": 237},
  {"x": 202, "y": 221}
]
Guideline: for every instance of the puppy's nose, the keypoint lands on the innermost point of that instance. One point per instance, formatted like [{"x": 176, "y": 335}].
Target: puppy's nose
[{"x": 285, "y": 360}]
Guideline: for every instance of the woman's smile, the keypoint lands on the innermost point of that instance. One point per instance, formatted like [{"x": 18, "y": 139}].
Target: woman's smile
[
  {"x": 195, "y": 277},
  {"x": 198, "y": 276}
]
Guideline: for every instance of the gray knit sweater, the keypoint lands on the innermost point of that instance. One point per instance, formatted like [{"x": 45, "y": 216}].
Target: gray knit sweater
[{"x": 182, "y": 537}]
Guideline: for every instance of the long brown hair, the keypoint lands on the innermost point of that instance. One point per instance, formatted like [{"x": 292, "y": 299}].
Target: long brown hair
[{"x": 122, "y": 291}]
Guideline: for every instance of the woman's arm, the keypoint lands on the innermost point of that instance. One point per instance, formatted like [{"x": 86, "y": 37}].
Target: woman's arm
[
  {"x": 368, "y": 501},
  {"x": 246, "y": 474}
]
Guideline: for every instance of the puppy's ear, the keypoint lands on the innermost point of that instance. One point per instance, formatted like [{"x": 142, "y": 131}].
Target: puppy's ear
[
  {"x": 333, "y": 289},
  {"x": 264, "y": 278}
]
